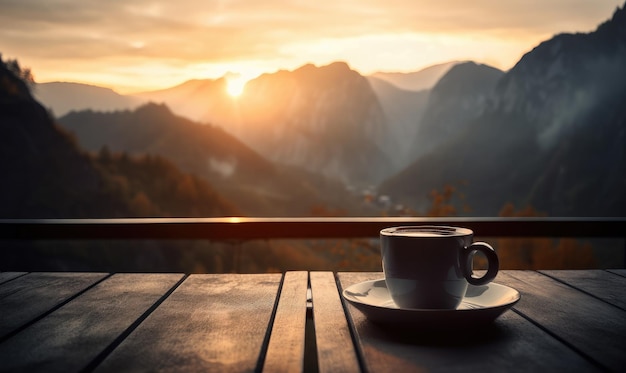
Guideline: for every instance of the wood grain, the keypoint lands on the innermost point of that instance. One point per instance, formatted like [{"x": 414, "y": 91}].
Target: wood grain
[
  {"x": 28, "y": 297},
  {"x": 619, "y": 272},
  {"x": 7, "y": 276},
  {"x": 565, "y": 321},
  {"x": 214, "y": 323},
  {"x": 70, "y": 337},
  {"x": 335, "y": 350},
  {"x": 511, "y": 343},
  {"x": 285, "y": 352},
  {"x": 604, "y": 285},
  {"x": 587, "y": 324}
]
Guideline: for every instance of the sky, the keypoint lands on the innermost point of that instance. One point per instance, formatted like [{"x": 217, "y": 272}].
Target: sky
[{"x": 140, "y": 45}]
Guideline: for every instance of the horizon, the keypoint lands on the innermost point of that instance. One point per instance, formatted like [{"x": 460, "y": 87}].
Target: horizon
[
  {"x": 143, "y": 46},
  {"x": 237, "y": 88}
]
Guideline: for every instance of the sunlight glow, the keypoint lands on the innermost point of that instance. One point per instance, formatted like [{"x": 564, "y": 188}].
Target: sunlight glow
[
  {"x": 220, "y": 36},
  {"x": 235, "y": 85}
]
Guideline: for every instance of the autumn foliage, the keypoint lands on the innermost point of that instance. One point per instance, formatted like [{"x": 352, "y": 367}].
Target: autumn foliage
[{"x": 540, "y": 252}]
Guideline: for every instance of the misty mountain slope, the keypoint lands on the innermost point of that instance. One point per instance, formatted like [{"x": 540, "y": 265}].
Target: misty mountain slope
[
  {"x": 553, "y": 138},
  {"x": 461, "y": 95},
  {"x": 154, "y": 129},
  {"x": 326, "y": 119},
  {"x": 63, "y": 97},
  {"x": 46, "y": 174},
  {"x": 41, "y": 167},
  {"x": 482, "y": 163},
  {"x": 199, "y": 100},
  {"x": 403, "y": 110},
  {"x": 567, "y": 77},
  {"x": 239, "y": 173},
  {"x": 572, "y": 90},
  {"x": 419, "y": 80}
]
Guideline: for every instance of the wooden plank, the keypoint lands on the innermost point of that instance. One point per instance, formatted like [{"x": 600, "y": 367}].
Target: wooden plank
[
  {"x": 70, "y": 337},
  {"x": 620, "y": 272},
  {"x": 209, "y": 323},
  {"x": 7, "y": 276},
  {"x": 28, "y": 297},
  {"x": 589, "y": 325},
  {"x": 511, "y": 343},
  {"x": 607, "y": 286},
  {"x": 285, "y": 352},
  {"x": 335, "y": 349}
]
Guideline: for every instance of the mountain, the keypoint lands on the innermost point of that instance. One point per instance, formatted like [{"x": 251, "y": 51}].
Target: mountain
[
  {"x": 329, "y": 119},
  {"x": 403, "y": 112},
  {"x": 41, "y": 167},
  {"x": 258, "y": 186},
  {"x": 326, "y": 119},
  {"x": 461, "y": 95},
  {"x": 572, "y": 90},
  {"x": 419, "y": 80},
  {"x": 198, "y": 99},
  {"x": 46, "y": 174},
  {"x": 553, "y": 137},
  {"x": 63, "y": 97}
]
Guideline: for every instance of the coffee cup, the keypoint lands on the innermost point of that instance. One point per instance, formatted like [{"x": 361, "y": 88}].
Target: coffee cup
[{"x": 430, "y": 267}]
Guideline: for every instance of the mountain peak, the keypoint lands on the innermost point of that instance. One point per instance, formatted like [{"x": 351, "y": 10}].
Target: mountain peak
[
  {"x": 337, "y": 66},
  {"x": 333, "y": 66},
  {"x": 576, "y": 66},
  {"x": 154, "y": 109},
  {"x": 423, "y": 79},
  {"x": 617, "y": 24},
  {"x": 334, "y": 71},
  {"x": 465, "y": 77},
  {"x": 11, "y": 86}
]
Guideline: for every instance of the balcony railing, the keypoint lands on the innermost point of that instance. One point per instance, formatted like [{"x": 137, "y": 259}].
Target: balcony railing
[{"x": 236, "y": 228}]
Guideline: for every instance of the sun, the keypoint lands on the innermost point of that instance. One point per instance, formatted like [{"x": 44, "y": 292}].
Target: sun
[{"x": 235, "y": 85}]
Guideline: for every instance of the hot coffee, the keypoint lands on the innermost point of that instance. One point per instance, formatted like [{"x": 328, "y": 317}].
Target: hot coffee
[{"x": 431, "y": 266}]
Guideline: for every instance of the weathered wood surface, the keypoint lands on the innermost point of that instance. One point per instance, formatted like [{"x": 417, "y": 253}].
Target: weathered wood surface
[
  {"x": 213, "y": 323},
  {"x": 590, "y": 326},
  {"x": 285, "y": 352},
  {"x": 514, "y": 341},
  {"x": 335, "y": 350},
  {"x": 26, "y": 298},
  {"x": 565, "y": 321},
  {"x": 621, "y": 272},
  {"x": 8, "y": 276},
  {"x": 69, "y": 338},
  {"x": 604, "y": 285}
]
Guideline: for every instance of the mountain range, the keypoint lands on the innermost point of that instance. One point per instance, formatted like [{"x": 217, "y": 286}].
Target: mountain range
[
  {"x": 255, "y": 184},
  {"x": 421, "y": 80},
  {"x": 549, "y": 133},
  {"x": 289, "y": 116},
  {"x": 63, "y": 97},
  {"x": 46, "y": 174}
]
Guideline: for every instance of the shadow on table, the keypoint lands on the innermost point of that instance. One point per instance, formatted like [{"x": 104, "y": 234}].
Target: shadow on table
[{"x": 450, "y": 336}]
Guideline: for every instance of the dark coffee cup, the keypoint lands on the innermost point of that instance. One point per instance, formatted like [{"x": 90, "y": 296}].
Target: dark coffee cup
[{"x": 430, "y": 267}]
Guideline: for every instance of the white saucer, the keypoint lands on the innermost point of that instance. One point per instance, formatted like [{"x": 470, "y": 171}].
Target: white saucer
[{"x": 481, "y": 305}]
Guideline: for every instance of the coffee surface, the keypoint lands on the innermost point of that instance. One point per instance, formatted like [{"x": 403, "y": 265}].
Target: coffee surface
[{"x": 425, "y": 232}]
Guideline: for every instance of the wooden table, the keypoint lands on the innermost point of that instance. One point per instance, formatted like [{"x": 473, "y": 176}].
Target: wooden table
[{"x": 297, "y": 321}]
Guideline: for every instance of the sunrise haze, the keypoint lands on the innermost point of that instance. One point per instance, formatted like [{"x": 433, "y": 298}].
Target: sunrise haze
[{"x": 142, "y": 45}]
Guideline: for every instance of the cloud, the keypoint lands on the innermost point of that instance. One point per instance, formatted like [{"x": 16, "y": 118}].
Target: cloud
[
  {"x": 91, "y": 33},
  {"x": 225, "y": 29}
]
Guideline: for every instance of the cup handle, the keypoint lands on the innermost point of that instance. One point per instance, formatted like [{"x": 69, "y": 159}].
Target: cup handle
[{"x": 492, "y": 260}]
